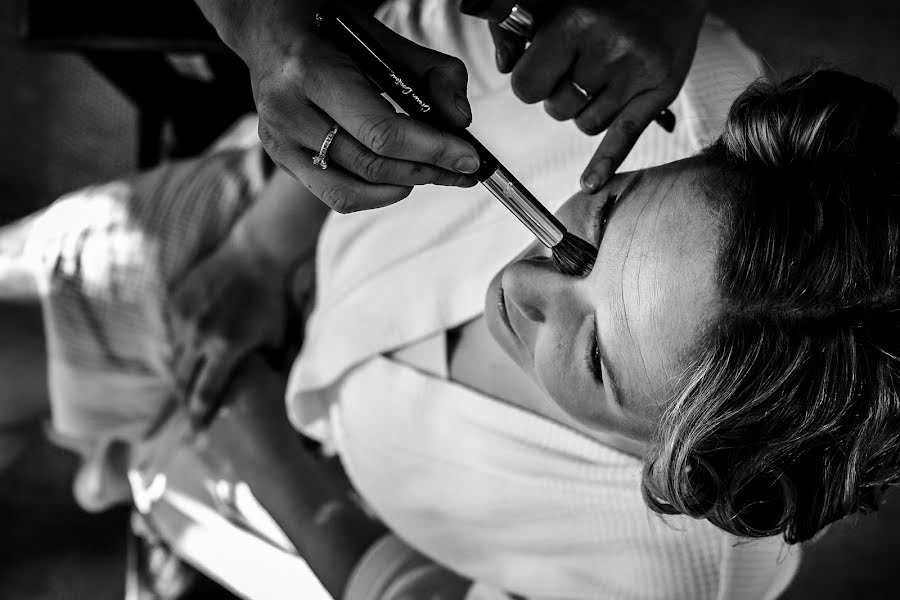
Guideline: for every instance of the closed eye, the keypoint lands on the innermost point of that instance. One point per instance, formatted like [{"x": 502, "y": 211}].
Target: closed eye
[
  {"x": 593, "y": 359},
  {"x": 601, "y": 219},
  {"x": 594, "y": 354}
]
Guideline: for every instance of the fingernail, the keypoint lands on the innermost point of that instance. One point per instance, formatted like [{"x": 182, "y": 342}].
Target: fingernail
[
  {"x": 463, "y": 181},
  {"x": 666, "y": 119},
  {"x": 467, "y": 164},
  {"x": 593, "y": 179},
  {"x": 463, "y": 105},
  {"x": 502, "y": 60}
]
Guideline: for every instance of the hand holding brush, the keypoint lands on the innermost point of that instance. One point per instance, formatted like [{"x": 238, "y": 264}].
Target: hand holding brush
[{"x": 572, "y": 255}]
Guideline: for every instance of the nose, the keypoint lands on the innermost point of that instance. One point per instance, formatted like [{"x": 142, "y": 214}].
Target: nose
[{"x": 535, "y": 285}]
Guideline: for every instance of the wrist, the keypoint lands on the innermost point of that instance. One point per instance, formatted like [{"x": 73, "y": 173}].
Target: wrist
[
  {"x": 256, "y": 251},
  {"x": 270, "y": 27},
  {"x": 230, "y": 19}
]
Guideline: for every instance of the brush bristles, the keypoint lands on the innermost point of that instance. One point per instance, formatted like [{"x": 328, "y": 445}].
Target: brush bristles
[{"x": 574, "y": 256}]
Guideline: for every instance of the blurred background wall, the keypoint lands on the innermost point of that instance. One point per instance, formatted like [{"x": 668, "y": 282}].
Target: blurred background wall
[{"x": 62, "y": 125}]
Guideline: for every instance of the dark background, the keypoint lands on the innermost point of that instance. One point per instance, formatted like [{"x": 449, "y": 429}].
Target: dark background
[{"x": 62, "y": 125}]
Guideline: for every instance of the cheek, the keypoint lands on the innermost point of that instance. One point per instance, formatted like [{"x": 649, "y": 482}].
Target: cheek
[
  {"x": 559, "y": 374},
  {"x": 533, "y": 249},
  {"x": 577, "y": 215},
  {"x": 570, "y": 207}
]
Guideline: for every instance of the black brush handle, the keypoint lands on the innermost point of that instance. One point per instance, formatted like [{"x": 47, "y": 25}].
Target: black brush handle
[
  {"x": 404, "y": 88},
  {"x": 408, "y": 92}
]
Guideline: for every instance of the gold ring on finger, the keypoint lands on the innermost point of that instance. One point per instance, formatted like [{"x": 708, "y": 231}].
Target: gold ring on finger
[{"x": 582, "y": 92}]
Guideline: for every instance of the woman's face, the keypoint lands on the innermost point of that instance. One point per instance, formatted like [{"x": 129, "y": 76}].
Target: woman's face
[{"x": 649, "y": 294}]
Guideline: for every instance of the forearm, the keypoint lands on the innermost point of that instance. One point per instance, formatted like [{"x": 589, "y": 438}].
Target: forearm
[
  {"x": 283, "y": 225},
  {"x": 241, "y": 24},
  {"x": 228, "y": 17},
  {"x": 326, "y": 527},
  {"x": 298, "y": 490}
]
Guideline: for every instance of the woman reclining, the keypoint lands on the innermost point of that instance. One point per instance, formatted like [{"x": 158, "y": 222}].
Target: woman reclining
[{"x": 730, "y": 361}]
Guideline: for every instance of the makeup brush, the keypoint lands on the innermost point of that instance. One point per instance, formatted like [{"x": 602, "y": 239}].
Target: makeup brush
[{"x": 572, "y": 255}]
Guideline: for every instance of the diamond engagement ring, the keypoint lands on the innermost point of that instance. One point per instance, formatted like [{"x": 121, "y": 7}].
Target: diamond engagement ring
[{"x": 319, "y": 159}]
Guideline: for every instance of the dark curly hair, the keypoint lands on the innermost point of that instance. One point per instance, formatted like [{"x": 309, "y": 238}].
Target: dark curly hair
[{"x": 788, "y": 413}]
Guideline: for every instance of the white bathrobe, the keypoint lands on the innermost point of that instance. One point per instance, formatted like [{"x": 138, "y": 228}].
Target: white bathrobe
[
  {"x": 499, "y": 494},
  {"x": 505, "y": 497}
]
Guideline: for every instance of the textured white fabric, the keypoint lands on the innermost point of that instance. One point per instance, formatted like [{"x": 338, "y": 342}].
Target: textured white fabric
[
  {"x": 522, "y": 504},
  {"x": 507, "y": 498},
  {"x": 392, "y": 570},
  {"x": 104, "y": 258}
]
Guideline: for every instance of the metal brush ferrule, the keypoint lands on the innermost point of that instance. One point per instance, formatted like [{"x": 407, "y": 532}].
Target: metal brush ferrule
[{"x": 524, "y": 206}]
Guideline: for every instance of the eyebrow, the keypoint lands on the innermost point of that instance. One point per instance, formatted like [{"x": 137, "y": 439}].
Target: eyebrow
[{"x": 619, "y": 198}]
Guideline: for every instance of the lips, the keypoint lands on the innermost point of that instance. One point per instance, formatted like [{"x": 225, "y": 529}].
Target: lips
[{"x": 504, "y": 314}]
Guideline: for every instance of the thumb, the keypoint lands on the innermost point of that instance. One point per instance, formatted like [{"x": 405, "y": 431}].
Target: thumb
[
  {"x": 445, "y": 77},
  {"x": 446, "y": 80},
  {"x": 508, "y": 46}
]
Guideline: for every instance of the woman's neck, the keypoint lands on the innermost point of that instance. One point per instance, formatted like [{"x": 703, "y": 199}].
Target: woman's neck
[{"x": 477, "y": 361}]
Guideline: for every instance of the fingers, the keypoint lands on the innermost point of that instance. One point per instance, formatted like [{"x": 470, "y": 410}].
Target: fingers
[
  {"x": 544, "y": 65},
  {"x": 351, "y": 100},
  {"x": 620, "y": 137},
  {"x": 356, "y": 178},
  {"x": 567, "y": 102},
  {"x": 212, "y": 377},
  {"x": 508, "y": 47},
  {"x": 309, "y": 131},
  {"x": 202, "y": 369},
  {"x": 186, "y": 366},
  {"x": 208, "y": 341},
  {"x": 445, "y": 83},
  {"x": 342, "y": 192},
  {"x": 358, "y": 160},
  {"x": 187, "y": 299},
  {"x": 445, "y": 77},
  {"x": 378, "y": 154},
  {"x": 600, "y": 112}
]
